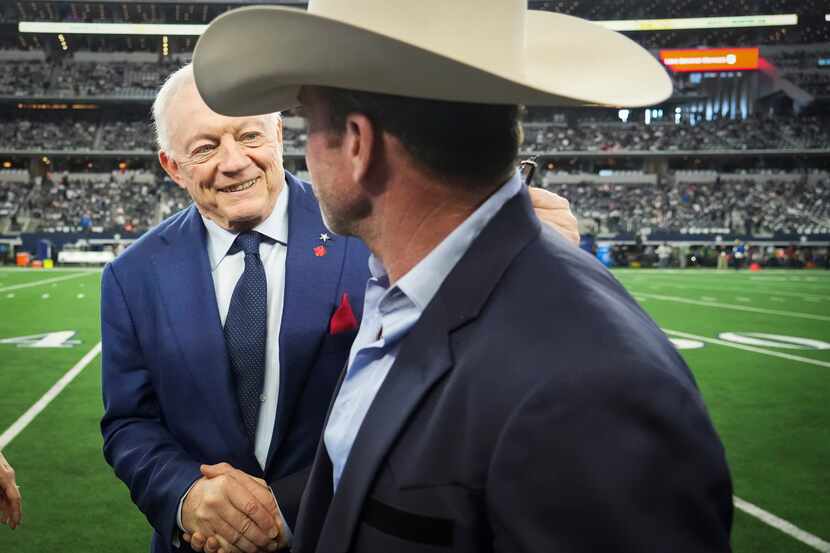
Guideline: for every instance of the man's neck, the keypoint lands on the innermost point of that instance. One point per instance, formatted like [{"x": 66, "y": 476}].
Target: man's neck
[{"x": 414, "y": 216}]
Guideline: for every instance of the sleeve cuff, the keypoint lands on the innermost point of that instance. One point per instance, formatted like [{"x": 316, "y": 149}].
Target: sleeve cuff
[
  {"x": 177, "y": 537},
  {"x": 286, "y": 537}
]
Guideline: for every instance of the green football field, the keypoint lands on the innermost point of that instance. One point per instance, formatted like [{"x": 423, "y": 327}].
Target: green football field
[{"x": 758, "y": 343}]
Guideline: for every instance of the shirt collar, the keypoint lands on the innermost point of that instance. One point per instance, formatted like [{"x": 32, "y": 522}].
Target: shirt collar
[
  {"x": 275, "y": 227},
  {"x": 422, "y": 282}
]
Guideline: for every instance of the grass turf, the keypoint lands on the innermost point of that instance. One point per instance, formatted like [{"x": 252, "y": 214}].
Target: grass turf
[{"x": 769, "y": 411}]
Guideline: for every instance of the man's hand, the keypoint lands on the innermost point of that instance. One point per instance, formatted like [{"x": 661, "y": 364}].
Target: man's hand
[
  {"x": 234, "y": 509},
  {"x": 555, "y": 211},
  {"x": 10, "y": 503}
]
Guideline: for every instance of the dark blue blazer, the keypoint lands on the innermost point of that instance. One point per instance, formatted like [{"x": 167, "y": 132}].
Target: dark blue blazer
[
  {"x": 534, "y": 407},
  {"x": 168, "y": 392}
]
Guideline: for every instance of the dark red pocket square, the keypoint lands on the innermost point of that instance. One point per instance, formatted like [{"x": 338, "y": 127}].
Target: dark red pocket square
[{"x": 343, "y": 319}]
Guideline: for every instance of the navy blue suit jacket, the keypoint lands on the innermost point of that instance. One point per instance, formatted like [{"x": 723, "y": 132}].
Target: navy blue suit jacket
[
  {"x": 533, "y": 407},
  {"x": 168, "y": 390}
]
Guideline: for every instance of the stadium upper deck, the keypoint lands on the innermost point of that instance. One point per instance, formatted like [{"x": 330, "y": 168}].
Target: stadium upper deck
[{"x": 84, "y": 98}]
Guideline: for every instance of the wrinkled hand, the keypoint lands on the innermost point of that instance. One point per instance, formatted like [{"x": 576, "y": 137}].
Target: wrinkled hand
[
  {"x": 231, "y": 511},
  {"x": 555, "y": 211},
  {"x": 10, "y": 502}
]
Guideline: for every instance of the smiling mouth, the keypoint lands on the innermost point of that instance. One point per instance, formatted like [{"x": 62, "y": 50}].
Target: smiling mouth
[{"x": 241, "y": 186}]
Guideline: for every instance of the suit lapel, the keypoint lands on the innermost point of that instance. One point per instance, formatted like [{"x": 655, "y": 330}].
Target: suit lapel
[
  {"x": 425, "y": 357},
  {"x": 413, "y": 374},
  {"x": 318, "y": 491},
  {"x": 184, "y": 277},
  {"x": 310, "y": 288}
]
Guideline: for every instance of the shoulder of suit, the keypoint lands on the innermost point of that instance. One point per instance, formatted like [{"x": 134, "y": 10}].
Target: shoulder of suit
[
  {"x": 302, "y": 192},
  {"x": 140, "y": 250}
]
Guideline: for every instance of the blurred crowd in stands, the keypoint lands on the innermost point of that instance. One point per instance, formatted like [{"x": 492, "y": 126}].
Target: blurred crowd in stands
[
  {"x": 761, "y": 205},
  {"x": 727, "y": 256},
  {"x": 26, "y": 134},
  {"x": 751, "y": 205},
  {"x": 754, "y": 133},
  {"x": 115, "y": 203},
  {"x": 130, "y": 201},
  {"x": 67, "y": 78},
  {"x": 130, "y": 135}
]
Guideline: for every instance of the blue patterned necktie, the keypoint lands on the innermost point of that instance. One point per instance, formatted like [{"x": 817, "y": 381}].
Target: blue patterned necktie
[{"x": 246, "y": 328}]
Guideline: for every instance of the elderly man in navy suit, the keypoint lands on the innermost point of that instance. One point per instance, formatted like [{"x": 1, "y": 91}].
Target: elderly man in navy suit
[
  {"x": 504, "y": 392},
  {"x": 225, "y": 329},
  {"x": 193, "y": 372}
]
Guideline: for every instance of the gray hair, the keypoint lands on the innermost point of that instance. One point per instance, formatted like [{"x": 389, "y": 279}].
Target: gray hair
[{"x": 161, "y": 105}]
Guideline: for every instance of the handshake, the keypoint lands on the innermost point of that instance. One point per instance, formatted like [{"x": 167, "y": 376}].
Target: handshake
[{"x": 229, "y": 511}]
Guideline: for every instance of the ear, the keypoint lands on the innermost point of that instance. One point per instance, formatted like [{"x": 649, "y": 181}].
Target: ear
[
  {"x": 172, "y": 168},
  {"x": 279, "y": 130},
  {"x": 359, "y": 143}
]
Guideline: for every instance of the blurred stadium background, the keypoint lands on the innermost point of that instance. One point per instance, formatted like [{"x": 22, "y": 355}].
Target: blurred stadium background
[{"x": 732, "y": 172}]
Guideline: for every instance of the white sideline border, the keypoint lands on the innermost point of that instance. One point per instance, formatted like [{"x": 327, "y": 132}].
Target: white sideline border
[
  {"x": 44, "y": 281},
  {"x": 21, "y": 423}
]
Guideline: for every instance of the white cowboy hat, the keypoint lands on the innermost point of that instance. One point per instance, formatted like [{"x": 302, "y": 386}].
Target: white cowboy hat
[{"x": 253, "y": 60}]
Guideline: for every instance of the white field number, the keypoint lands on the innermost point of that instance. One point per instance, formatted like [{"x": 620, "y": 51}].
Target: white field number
[{"x": 62, "y": 339}]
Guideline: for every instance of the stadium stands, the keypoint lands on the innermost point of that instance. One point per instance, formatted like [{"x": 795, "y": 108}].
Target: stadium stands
[
  {"x": 26, "y": 134},
  {"x": 683, "y": 202},
  {"x": 755, "y": 133},
  {"x": 118, "y": 202},
  {"x": 751, "y": 204},
  {"x": 78, "y": 78},
  {"x": 114, "y": 80}
]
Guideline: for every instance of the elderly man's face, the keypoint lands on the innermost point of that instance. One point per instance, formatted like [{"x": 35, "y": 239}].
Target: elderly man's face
[{"x": 230, "y": 166}]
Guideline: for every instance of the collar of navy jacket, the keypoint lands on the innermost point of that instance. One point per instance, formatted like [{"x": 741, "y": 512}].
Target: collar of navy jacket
[{"x": 425, "y": 356}]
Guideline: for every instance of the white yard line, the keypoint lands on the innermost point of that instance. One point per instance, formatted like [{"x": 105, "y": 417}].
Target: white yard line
[
  {"x": 52, "y": 270},
  {"x": 793, "y": 275},
  {"x": 779, "y": 523},
  {"x": 753, "y": 510},
  {"x": 44, "y": 281},
  {"x": 745, "y": 347},
  {"x": 41, "y": 404},
  {"x": 743, "y": 289},
  {"x": 719, "y": 305},
  {"x": 768, "y": 518}
]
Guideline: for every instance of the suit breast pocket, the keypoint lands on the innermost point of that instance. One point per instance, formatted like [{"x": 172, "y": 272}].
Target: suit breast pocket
[
  {"x": 337, "y": 344},
  {"x": 385, "y": 527}
]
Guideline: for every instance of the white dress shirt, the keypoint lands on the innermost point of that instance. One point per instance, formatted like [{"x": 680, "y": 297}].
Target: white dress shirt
[{"x": 226, "y": 270}]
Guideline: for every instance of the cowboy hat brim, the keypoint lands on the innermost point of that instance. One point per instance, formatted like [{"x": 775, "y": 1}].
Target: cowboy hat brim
[{"x": 254, "y": 60}]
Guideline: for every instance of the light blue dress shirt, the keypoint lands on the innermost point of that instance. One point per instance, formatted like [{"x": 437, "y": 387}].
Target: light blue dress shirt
[{"x": 388, "y": 315}]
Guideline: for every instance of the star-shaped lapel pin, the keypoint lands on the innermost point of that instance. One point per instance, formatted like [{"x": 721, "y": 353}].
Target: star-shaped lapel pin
[{"x": 324, "y": 237}]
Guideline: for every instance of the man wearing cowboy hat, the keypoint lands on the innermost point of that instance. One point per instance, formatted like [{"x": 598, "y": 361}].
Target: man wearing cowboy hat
[{"x": 504, "y": 392}]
